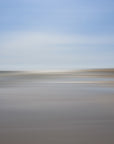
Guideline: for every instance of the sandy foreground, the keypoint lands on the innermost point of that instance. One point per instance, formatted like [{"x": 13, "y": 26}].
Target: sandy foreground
[{"x": 57, "y": 108}]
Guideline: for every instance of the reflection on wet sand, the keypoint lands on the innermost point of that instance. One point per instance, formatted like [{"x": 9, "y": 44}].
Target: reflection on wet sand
[{"x": 63, "y": 107}]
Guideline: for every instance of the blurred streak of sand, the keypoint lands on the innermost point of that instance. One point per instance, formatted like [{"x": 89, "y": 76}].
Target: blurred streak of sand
[{"x": 57, "y": 107}]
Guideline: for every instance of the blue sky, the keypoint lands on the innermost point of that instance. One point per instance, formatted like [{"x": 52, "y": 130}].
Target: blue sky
[{"x": 56, "y": 34}]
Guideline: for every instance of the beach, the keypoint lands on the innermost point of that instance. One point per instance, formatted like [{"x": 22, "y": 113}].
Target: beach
[{"x": 64, "y": 108}]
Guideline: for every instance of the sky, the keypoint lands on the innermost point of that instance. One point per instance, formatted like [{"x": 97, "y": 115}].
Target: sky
[{"x": 56, "y": 34}]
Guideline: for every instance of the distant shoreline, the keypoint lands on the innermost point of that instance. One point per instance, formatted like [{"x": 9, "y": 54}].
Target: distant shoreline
[{"x": 59, "y": 71}]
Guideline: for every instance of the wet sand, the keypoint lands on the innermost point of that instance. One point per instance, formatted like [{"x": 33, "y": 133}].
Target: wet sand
[{"x": 62, "y": 110}]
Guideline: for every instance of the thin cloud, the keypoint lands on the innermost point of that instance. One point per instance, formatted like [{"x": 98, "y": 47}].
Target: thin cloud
[
  {"x": 51, "y": 49},
  {"x": 29, "y": 39}
]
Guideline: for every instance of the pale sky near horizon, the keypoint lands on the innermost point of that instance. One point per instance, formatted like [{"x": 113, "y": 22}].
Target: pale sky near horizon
[{"x": 56, "y": 34}]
